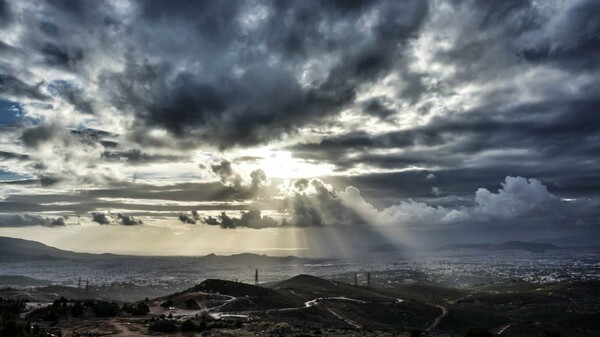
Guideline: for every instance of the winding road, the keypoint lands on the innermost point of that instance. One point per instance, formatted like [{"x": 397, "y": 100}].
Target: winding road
[{"x": 438, "y": 319}]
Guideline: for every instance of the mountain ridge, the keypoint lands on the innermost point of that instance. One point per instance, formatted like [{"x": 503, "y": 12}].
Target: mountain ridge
[{"x": 16, "y": 249}]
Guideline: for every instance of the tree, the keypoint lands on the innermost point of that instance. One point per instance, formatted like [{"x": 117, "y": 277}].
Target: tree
[
  {"x": 164, "y": 326},
  {"x": 77, "y": 309},
  {"x": 141, "y": 309},
  {"x": 189, "y": 326},
  {"x": 167, "y": 304},
  {"x": 105, "y": 309},
  {"x": 191, "y": 304}
]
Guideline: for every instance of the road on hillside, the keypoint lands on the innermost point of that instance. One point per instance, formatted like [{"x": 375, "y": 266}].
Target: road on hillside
[{"x": 438, "y": 319}]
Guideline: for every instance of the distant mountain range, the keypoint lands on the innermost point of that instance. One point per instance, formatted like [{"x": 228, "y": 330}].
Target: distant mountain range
[
  {"x": 510, "y": 245},
  {"x": 14, "y": 250}
]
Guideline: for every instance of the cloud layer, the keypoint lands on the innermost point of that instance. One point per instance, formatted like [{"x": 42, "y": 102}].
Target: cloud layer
[{"x": 395, "y": 113}]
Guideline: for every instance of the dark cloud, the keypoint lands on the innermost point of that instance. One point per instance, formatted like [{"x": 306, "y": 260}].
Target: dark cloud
[
  {"x": 109, "y": 218},
  {"x": 118, "y": 218},
  {"x": 101, "y": 218},
  {"x": 189, "y": 219},
  {"x": 565, "y": 130},
  {"x": 61, "y": 56},
  {"x": 35, "y": 136},
  {"x": 468, "y": 91},
  {"x": 229, "y": 177},
  {"x": 127, "y": 220},
  {"x": 250, "y": 219},
  {"x": 5, "y": 13},
  {"x": 26, "y": 220},
  {"x": 73, "y": 95},
  {"x": 226, "y": 173},
  {"x": 136, "y": 156},
  {"x": 11, "y": 155},
  {"x": 376, "y": 107},
  {"x": 12, "y": 86},
  {"x": 264, "y": 100},
  {"x": 575, "y": 43}
]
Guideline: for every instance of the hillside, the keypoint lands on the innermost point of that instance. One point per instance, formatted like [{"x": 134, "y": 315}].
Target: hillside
[
  {"x": 231, "y": 296},
  {"x": 12, "y": 249},
  {"x": 254, "y": 259},
  {"x": 311, "y": 286}
]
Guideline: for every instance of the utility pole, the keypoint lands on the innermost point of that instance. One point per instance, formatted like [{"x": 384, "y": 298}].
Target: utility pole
[
  {"x": 256, "y": 277},
  {"x": 79, "y": 283},
  {"x": 368, "y": 279}
]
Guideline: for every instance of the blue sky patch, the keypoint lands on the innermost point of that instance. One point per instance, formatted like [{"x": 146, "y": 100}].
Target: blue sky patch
[{"x": 11, "y": 113}]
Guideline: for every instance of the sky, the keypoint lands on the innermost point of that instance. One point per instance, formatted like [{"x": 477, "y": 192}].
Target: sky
[{"x": 298, "y": 127}]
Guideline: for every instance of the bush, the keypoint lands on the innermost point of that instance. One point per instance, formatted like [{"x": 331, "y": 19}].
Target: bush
[
  {"x": 191, "y": 304},
  {"x": 189, "y": 326},
  {"x": 167, "y": 304},
  {"x": 105, "y": 309},
  {"x": 164, "y": 326},
  {"x": 138, "y": 309},
  {"x": 77, "y": 309}
]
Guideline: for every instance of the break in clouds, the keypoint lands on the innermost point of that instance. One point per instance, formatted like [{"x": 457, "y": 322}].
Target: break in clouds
[{"x": 268, "y": 114}]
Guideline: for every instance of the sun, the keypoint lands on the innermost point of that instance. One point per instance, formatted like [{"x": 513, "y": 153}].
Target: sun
[{"x": 281, "y": 164}]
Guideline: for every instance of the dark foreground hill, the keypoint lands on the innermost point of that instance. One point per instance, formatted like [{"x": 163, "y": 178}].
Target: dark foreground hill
[
  {"x": 306, "y": 305},
  {"x": 231, "y": 296}
]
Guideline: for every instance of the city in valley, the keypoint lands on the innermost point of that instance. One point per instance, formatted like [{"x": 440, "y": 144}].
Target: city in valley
[{"x": 450, "y": 291}]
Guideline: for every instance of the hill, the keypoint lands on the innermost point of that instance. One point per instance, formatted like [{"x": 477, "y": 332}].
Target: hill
[
  {"x": 254, "y": 259},
  {"x": 12, "y": 249},
  {"x": 309, "y": 286},
  {"x": 231, "y": 296}
]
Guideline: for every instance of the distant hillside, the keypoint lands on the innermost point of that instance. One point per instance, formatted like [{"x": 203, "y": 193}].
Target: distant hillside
[
  {"x": 510, "y": 245},
  {"x": 391, "y": 248},
  {"x": 12, "y": 249},
  {"x": 253, "y": 259}
]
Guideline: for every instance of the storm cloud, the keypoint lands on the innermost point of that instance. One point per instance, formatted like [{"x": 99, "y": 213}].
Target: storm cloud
[
  {"x": 302, "y": 114},
  {"x": 26, "y": 220}
]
